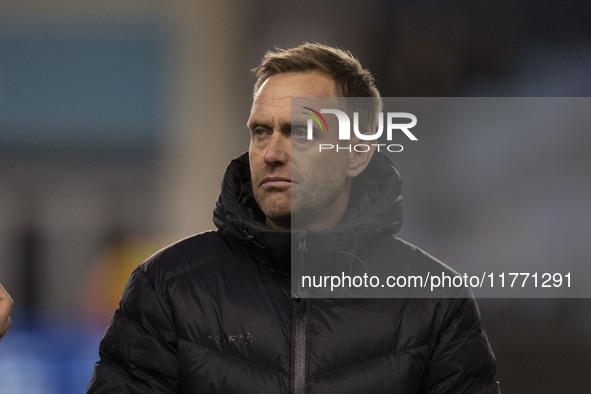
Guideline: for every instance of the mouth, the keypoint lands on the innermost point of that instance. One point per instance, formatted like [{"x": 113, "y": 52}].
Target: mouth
[{"x": 276, "y": 181}]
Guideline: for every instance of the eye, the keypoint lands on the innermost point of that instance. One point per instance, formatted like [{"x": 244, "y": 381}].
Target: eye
[
  {"x": 258, "y": 131},
  {"x": 299, "y": 133}
]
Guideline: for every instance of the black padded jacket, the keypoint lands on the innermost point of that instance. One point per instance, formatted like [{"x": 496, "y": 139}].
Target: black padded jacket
[{"x": 213, "y": 313}]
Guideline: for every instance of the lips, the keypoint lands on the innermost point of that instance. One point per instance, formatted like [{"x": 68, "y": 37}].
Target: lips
[{"x": 276, "y": 181}]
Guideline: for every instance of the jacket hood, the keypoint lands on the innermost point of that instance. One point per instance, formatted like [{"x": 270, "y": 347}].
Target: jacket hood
[{"x": 375, "y": 207}]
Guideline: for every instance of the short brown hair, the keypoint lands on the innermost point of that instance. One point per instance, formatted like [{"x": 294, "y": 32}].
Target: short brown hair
[{"x": 351, "y": 79}]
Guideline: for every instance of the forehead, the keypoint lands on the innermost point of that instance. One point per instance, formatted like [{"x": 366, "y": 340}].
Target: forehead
[{"x": 274, "y": 95}]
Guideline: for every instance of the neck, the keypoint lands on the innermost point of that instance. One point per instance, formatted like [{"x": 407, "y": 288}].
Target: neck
[{"x": 278, "y": 224}]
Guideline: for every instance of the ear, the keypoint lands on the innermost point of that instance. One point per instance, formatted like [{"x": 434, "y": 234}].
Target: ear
[{"x": 359, "y": 160}]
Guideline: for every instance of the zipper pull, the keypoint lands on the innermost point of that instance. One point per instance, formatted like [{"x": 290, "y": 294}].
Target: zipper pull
[{"x": 302, "y": 247}]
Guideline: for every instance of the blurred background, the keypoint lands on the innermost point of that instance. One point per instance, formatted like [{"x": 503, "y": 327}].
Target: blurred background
[{"x": 117, "y": 119}]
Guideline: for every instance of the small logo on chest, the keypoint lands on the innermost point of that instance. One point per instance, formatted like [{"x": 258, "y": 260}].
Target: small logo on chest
[{"x": 230, "y": 339}]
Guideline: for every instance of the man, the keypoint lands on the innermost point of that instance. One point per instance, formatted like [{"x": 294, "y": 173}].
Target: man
[
  {"x": 6, "y": 305},
  {"x": 214, "y": 313}
]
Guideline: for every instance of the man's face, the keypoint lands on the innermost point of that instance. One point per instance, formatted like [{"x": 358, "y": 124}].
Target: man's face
[{"x": 293, "y": 183}]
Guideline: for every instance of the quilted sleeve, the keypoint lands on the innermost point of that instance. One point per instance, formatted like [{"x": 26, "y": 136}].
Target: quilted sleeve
[
  {"x": 463, "y": 361},
  {"x": 138, "y": 353}
]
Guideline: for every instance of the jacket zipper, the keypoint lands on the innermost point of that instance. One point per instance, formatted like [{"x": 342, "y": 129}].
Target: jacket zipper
[
  {"x": 300, "y": 320},
  {"x": 302, "y": 249},
  {"x": 299, "y": 381}
]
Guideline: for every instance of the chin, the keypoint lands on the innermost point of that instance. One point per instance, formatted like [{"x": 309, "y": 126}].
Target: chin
[
  {"x": 278, "y": 215},
  {"x": 275, "y": 211}
]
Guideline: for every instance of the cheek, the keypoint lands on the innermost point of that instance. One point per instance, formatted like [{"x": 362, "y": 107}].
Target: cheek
[{"x": 253, "y": 171}]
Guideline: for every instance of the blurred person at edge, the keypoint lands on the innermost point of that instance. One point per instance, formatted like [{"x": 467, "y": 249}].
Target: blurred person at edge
[
  {"x": 214, "y": 313},
  {"x": 6, "y": 305}
]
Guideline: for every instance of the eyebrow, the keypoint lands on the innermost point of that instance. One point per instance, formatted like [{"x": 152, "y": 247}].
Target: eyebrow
[{"x": 251, "y": 123}]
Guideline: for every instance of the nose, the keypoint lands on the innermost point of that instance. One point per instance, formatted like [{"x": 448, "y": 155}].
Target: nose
[{"x": 278, "y": 151}]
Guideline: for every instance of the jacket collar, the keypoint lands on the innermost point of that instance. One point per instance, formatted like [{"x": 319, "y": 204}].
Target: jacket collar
[{"x": 375, "y": 207}]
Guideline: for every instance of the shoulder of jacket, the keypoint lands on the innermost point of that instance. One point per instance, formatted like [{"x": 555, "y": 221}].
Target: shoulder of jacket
[
  {"x": 415, "y": 258},
  {"x": 184, "y": 255},
  {"x": 411, "y": 261}
]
